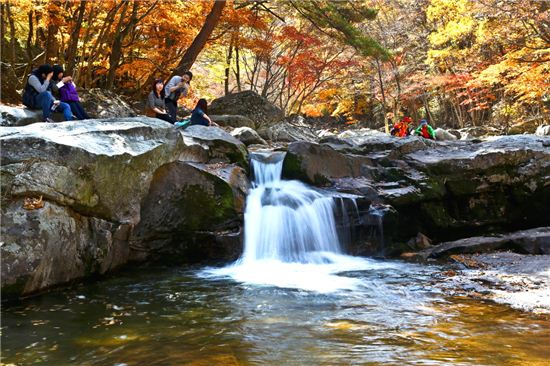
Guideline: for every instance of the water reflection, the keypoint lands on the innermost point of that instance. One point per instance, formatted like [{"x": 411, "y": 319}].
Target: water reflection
[{"x": 174, "y": 317}]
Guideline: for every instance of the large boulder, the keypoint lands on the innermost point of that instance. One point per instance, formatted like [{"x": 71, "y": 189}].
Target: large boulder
[
  {"x": 286, "y": 131},
  {"x": 101, "y": 103},
  {"x": 235, "y": 121},
  {"x": 533, "y": 241},
  {"x": 444, "y": 135},
  {"x": 22, "y": 116},
  {"x": 248, "y": 136},
  {"x": 212, "y": 144},
  {"x": 74, "y": 194},
  {"x": 192, "y": 201},
  {"x": 249, "y": 104},
  {"x": 445, "y": 189}
]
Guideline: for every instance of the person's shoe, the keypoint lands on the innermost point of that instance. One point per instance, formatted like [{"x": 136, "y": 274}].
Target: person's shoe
[{"x": 49, "y": 120}]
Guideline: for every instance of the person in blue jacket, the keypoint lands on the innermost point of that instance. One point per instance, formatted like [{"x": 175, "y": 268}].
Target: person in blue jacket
[{"x": 199, "y": 116}]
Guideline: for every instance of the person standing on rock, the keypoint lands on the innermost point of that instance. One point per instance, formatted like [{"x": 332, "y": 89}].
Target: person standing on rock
[
  {"x": 176, "y": 87},
  {"x": 67, "y": 92},
  {"x": 38, "y": 94},
  {"x": 199, "y": 116},
  {"x": 425, "y": 130},
  {"x": 155, "y": 106}
]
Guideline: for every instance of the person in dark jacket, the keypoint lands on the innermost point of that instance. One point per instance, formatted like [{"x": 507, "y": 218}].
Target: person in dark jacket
[
  {"x": 155, "y": 106},
  {"x": 67, "y": 92},
  {"x": 38, "y": 94},
  {"x": 176, "y": 87},
  {"x": 199, "y": 116}
]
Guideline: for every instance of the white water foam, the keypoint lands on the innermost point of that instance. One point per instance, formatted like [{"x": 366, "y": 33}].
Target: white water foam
[{"x": 290, "y": 237}]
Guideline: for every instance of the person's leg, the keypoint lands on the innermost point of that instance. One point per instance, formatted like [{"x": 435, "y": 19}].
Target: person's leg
[
  {"x": 82, "y": 111},
  {"x": 77, "y": 110},
  {"x": 172, "y": 108},
  {"x": 66, "y": 110},
  {"x": 44, "y": 100},
  {"x": 165, "y": 117}
]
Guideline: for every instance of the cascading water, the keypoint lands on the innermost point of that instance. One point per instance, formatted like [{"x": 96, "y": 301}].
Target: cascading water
[
  {"x": 291, "y": 239},
  {"x": 287, "y": 221}
]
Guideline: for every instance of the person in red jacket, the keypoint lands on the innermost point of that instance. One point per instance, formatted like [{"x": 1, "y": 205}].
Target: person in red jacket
[{"x": 401, "y": 128}]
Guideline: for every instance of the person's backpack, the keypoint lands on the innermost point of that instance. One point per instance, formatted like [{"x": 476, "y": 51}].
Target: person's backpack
[{"x": 28, "y": 94}]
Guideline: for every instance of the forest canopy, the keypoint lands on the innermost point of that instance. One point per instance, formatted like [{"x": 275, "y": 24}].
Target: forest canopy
[{"x": 458, "y": 63}]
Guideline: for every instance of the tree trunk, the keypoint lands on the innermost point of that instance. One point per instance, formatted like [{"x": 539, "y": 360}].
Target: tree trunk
[
  {"x": 12, "y": 36},
  {"x": 378, "y": 68},
  {"x": 228, "y": 65},
  {"x": 200, "y": 40},
  {"x": 238, "y": 69},
  {"x": 70, "y": 60}
]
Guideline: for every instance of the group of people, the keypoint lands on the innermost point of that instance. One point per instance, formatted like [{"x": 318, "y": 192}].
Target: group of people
[
  {"x": 162, "y": 101},
  {"x": 43, "y": 83},
  {"x": 403, "y": 128},
  {"x": 48, "y": 82}
]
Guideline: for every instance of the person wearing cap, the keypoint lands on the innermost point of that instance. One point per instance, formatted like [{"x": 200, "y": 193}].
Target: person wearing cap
[
  {"x": 67, "y": 92},
  {"x": 401, "y": 128},
  {"x": 37, "y": 94},
  {"x": 176, "y": 87},
  {"x": 425, "y": 130}
]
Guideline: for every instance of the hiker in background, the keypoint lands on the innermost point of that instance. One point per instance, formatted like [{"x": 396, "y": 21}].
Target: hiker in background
[
  {"x": 67, "y": 92},
  {"x": 38, "y": 94},
  {"x": 199, "y": 116},
  {"x": 155, "y": 106},
  {"x": 401, "y": 128},
  {"x": 176, "y": 87},
  {"x": 425, "y": 130}
]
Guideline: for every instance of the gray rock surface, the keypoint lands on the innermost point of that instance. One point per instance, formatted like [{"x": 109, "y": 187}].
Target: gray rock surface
[
  {"x": 248, "y": 136},
  {"x": 288, "y": 132},
  {"x": 232, "y": 120},
  {"x": 249, "y": 104},
  {"x": 22, "y": 116},
  {"x": 445, "y": 189},
  {"x": 533, "y": 241},
  {"x": 99, "y": 184}
]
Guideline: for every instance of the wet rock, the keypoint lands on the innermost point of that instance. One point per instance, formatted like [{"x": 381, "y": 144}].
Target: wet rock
[
  {"x": 248, "y": 136},
  {"x": 421, "y": 241},
  {"x": 232, "y": 120},
  {"x": 447, "y": 189},
  {"x": 534, "y": 241},
  {"x": 249, "y": 104},
  {"x": 186, "y": 204}
]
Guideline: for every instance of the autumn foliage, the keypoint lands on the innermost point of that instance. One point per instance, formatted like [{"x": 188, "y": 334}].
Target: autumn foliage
[{"x": 457, "y": 62}]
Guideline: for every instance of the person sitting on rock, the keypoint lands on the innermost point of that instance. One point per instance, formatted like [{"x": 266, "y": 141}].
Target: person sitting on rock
[
  {"x": 38, "y": 94},
  {"x": 155, "y": 106},
  {"x": 199, "y": 116},
  {"x": 67, "y": 92},
  {"x": 176, "y": 87},
  {"x": 401, "y": 128},
  {"x": 425, "y": 130}
]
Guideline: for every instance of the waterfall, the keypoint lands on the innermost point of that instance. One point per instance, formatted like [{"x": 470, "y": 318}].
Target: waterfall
[
  {"x": 286, "y": 220},
  {"x": 290, "y": 236}
]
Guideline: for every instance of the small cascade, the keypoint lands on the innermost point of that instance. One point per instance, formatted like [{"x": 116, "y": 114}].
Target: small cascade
[
  {"x": 286, "y": 220},
  {"x": 291, "y": 237},
  {"x": 376, "y": 217}
]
